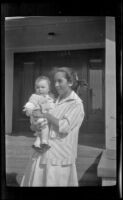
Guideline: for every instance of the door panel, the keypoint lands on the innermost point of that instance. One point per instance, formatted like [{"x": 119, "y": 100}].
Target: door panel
[
  {"x": 95, "y": 93},
  {"x": 95, "y": 103},
  {"x": 26, "y": 69},
  {"x": 96, "y": 90}
]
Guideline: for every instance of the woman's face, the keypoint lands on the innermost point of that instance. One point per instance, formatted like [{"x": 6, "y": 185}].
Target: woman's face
[{"x": 62, "y": 85}]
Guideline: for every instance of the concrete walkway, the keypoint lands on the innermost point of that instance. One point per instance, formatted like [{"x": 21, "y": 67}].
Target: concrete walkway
[{"x": 18, "y": 151}]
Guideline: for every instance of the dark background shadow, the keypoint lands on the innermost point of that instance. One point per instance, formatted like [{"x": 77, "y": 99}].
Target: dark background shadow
[
  {"x": 11, "y": 180},
  {"x": 90, "y": 177}
]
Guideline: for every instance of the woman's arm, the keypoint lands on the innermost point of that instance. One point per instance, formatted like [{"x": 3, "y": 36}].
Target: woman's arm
[
  {"x": 72, "y": 118},
  {"x": 50, "y": 118}
]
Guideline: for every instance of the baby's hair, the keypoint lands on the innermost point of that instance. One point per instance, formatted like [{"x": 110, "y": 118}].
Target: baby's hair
[
  {"x": 38, "y": 79},
  {"x": 70, "y": 74}
]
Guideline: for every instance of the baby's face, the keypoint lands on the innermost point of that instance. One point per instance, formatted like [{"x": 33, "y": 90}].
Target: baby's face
[{"x": 42, "y": 87}]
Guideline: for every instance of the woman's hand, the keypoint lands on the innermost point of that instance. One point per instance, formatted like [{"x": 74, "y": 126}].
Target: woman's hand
[{"x": 51, "y": 119}]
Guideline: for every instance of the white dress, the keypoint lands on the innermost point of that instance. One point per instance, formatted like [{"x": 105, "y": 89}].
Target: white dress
[{"x": 42, "y": 175}]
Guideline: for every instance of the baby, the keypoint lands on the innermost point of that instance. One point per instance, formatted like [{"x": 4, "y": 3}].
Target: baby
[{"x": 40, "y": 102}]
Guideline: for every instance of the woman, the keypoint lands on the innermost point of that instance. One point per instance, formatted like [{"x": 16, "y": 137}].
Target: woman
[{"x": 56, "y": 167}]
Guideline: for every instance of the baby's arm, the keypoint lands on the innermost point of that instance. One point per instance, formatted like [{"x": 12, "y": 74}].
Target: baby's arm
[
  {"x": 28, "y": 108},
  {"x": 31, "y": 104}
]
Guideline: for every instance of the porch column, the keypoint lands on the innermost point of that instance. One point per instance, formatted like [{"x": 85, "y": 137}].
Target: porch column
[
  {"x": 8, "y": 90},
  {"x": 107, "y": 164},
  {"x": 110, "y": 84}
]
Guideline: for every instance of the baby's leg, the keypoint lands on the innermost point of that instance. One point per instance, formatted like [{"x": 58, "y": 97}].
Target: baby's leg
[
  {"x": 44, "y": 130},
  {"x": 45, "y": 134},
  {"x": 41, "y": 143},
  {"x": 37, "y": 142},
  {"x": 42, "y": 137}
]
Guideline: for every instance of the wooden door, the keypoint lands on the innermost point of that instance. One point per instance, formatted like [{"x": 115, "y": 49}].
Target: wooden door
[
  {"x": 93, "y": 94},
  {"x": 96, "y": 93},
  {"x": 27, "y": 67},
  {"x": 96, "y": 100}
]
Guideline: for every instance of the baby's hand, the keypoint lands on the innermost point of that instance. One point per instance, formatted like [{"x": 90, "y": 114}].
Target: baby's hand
[{"x": 27, "y": 111}]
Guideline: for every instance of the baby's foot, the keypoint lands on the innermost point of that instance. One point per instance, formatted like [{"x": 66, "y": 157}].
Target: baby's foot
[
  {"x": 45, "y": 147},
  {"x": 36, "y": 147},
  {"x": 42, "y": 149}
]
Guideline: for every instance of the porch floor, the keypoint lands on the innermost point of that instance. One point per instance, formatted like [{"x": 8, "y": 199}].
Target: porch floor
[{"x": 18, "y": 150}]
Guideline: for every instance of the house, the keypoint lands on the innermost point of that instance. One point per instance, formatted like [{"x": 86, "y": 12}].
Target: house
[{"x": 34, "y": 45}]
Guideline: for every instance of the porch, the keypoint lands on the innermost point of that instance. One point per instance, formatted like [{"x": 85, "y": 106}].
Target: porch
[{"x": 18, "y": 150}]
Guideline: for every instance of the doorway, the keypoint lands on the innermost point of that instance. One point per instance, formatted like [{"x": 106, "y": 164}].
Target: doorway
[{"x": 90, "y": 67}]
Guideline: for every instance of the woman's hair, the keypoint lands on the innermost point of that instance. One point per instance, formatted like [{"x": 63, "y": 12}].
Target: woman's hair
[
  {"x": 38, "y": 79},
  {"x": 70, "y": 75}
]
